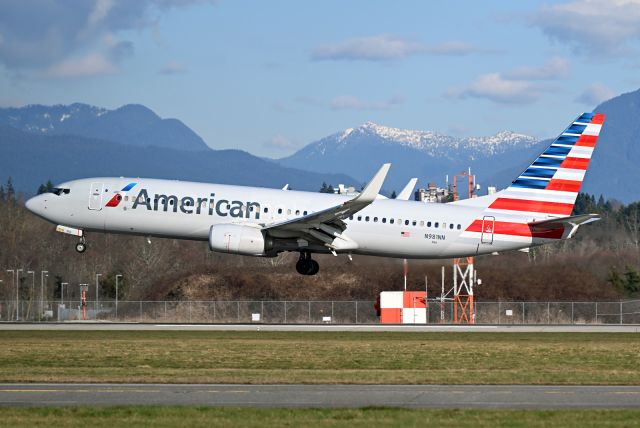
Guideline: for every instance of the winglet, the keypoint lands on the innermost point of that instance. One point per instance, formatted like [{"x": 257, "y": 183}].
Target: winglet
[
  {"x": 406, "y": 192},
  {"x": 372, "y": 189}
]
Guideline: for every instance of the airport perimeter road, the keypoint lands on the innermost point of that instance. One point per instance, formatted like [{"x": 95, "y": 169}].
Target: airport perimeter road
[
  {"x": 417, "y": 396},
  {"x": 90, "y": 326}
]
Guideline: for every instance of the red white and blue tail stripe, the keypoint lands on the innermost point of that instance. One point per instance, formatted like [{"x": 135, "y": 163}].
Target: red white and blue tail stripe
[{"x": 548, "y": 188}]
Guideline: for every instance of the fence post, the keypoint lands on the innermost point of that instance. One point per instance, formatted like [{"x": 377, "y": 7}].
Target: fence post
[
  {"x": 499, "y": 311},
  {"x": 189, "y": 310},
  {"x": 522, "y": 312},
  {"x": 309, "y": 302},
  {"x": 332, "y": 321},
  {"x": 238, "y": 302},
  {"x": 356, "y": 312},
  {"x": 285, "y": 311},
  {"x": 548, "y": 312},
  {"x": 165, "y": 310},
  {"x": 140, "y": 317},
  {"x": 572, "y": 312},
  {"x": 596, "y": 312},
  {"x": 621, "y": 312},
  {"x": 214, "y": 310}
]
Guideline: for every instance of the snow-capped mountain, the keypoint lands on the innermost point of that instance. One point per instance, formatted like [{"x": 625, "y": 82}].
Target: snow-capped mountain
[
  {"x": 429, "y": 142},
  {"x": 132, "y": 124},
  {"x": 425, "y": 154}
]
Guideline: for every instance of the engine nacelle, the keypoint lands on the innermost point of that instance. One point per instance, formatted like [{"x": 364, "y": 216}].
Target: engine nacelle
[{"x": 238, "y": 239}]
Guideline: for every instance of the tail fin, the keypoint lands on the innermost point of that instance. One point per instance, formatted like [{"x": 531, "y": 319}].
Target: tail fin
[{"x": 550, "y": 185}]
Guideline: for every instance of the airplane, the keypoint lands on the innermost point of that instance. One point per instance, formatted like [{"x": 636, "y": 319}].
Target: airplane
[{"x": 534, "y": 210}]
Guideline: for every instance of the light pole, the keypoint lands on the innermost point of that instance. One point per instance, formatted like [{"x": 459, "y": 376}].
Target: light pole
[
  {"x": 17, "y": 293},
  {"x": 98, "y": 275},
  {"x": 33, "y": 286},
  {"x": 13, "y": 278},
  {"x": 42, "y": 275},
  {"x": 62, "y": 284},
  {"x": 117, "y": 276}
]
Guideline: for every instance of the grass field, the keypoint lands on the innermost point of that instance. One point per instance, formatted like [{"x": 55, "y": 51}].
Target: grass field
[
  {"x": 313, "y": 357},
  {"x": 149, "y": 416}
]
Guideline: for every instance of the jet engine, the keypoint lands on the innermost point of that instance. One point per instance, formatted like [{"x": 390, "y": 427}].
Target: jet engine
[{"x": 238, "y": 239}]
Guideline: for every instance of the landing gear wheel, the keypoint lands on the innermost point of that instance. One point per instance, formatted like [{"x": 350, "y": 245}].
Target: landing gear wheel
[
  {"x": 307, "y": 266},
  {"x": 81, "y": 247},
  {"x": 315, "y": 267}
]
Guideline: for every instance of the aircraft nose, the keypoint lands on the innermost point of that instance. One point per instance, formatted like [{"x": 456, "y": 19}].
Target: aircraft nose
[{"x": 35, "y": 204}]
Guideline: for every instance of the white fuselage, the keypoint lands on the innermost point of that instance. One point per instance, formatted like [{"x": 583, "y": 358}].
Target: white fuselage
[{"x": 188, "y": 210}]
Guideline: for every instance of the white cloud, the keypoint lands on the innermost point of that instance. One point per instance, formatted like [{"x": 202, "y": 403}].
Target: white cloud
[
  {"x": 387, "y": 47},
  {"x": 350, "y": 102},
  {"x": 555, "y": 68},
  {"x": 598, "y": 28},
  {"x": 173, "y": 67},
  {"x": 87, "y": 66},
  {"x": 518, "y": 86},
  {"x": 594, "y": 94},
  {"x": 281, "y": 143},
  {"x": 39, "y": 35},
  {"x": 497, "y": 88}
]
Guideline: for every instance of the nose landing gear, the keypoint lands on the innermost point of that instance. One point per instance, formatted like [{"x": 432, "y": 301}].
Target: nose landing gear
[
  {"x": 306, "y": 265},
  {"x": 81, "y": 246}
]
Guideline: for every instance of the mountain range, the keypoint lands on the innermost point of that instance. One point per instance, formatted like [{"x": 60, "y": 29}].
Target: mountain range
[
  {"x": 61, "y": 142},
  {"x": 495, "y": 160}
]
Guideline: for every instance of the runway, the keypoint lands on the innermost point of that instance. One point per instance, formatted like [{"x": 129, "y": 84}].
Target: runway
[
  {"x": 517, "y": 328},
  {"x": 336, "y": 396}
]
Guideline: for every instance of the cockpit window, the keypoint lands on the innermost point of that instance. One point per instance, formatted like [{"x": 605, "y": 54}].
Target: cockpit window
[{"x": 60, "y": 191}]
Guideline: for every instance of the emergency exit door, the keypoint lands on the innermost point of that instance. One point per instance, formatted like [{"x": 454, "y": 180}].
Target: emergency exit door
[
  {"x": 488, "y": 224},
  {"x": 95, "y": 196}
]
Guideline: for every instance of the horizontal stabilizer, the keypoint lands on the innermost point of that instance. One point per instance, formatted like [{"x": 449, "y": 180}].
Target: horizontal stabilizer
[{"x": 570, "y": 224}]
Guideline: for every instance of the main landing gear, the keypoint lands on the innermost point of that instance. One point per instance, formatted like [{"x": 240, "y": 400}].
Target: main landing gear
[
  {"x": 81, "y": 246},
  {"x": 306, "y": 265}
]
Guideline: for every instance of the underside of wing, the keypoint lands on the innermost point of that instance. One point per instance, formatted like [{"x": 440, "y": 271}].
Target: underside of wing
[{"x": 327, "y": 227}]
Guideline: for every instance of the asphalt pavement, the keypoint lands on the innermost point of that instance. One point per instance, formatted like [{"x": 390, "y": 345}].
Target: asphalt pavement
[{"x": 337, "y": 396}]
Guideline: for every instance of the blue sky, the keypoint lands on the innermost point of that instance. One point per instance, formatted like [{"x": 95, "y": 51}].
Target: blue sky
[{"x": 271, "y": 76}]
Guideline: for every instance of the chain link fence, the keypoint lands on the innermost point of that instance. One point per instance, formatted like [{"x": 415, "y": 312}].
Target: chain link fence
[{"x": 314, "y": 312}]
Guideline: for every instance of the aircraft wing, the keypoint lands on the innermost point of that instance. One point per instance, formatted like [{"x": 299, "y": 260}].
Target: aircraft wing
[
  {"x": 328, "y": 224},
  {"x": 405, "y": 194}
]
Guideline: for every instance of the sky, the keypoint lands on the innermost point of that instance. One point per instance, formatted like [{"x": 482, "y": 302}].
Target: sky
[{"x": 269, "y": 77}]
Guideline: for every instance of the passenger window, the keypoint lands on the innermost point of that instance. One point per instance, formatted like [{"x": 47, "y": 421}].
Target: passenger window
[
  {"x": 359, "y": 218},
  {"x": 351, "y": 217},
  {"x": 375, "y": 219},
  {"x": 459, "y": 227},
  {"x": 279, "y": 210},
  {"x": 406, "y": 222},
  {"x": 450, "y": 225},
  {"x": 384, "y": 219},
  {"x": 391, "y": 220},
  {"x": 304, "y": 213},
  {"x": 126, "y": 198},
  {"x": 266, "y": 210},
  {"x": 421, "y": 223},
  {"x": 428, "y": 224},
  {"x": 297, "y": 212},
  {"x": 289, "y": 212},
  {"x": 366, "y": 218},
  {"x": 414, "y": 223},
  {"x": 436, "y": 224}
]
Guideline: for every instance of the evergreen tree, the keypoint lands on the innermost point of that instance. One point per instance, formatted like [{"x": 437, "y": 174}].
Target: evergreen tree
[
  {"x": 393, "y": 195},
  {"x": 11, "y": 192},
  {"x": 42, "y": 189},
  {"x": 3, "y": 194},
  {"x": 326, "y": 188},
  {"x": 49, "y": 186}
]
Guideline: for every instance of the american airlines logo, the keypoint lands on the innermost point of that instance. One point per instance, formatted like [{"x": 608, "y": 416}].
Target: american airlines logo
[{"x": 190, "y": 205}]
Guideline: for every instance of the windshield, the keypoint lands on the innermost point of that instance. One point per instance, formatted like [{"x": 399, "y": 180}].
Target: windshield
[{"x": 60, "y": 191}]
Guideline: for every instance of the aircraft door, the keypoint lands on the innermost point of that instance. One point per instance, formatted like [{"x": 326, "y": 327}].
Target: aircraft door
[
  {"x": 488, "y": 224},
  {"x": 95, "y": 196}
]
